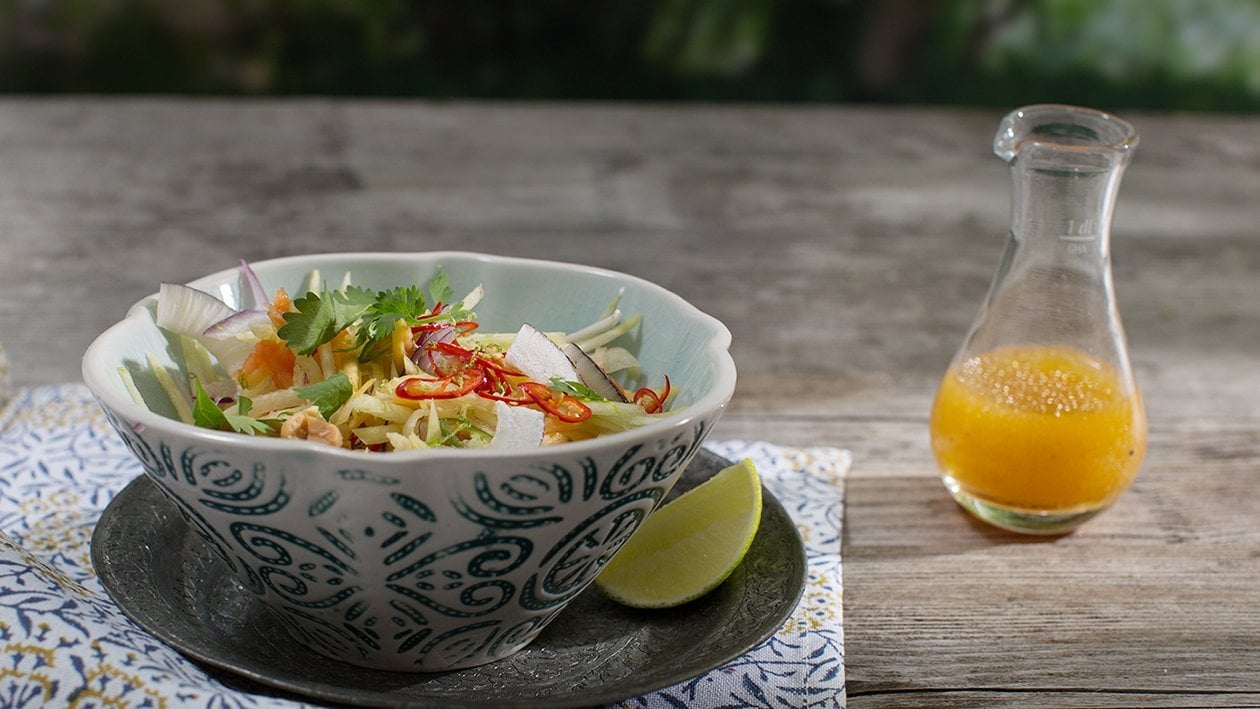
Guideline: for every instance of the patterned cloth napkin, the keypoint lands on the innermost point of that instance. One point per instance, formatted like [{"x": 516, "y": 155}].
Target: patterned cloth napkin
[{"x": 65, "y": 643}]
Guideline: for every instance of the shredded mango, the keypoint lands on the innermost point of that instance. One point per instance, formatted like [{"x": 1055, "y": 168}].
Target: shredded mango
[{"x": 394, "y": 370}]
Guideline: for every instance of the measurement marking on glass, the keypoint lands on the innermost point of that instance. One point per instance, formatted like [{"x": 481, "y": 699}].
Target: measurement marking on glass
[{"x": 1078, "y": 243}]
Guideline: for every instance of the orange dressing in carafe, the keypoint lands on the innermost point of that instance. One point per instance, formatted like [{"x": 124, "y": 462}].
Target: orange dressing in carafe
[{"x": 1038, "y": 428}]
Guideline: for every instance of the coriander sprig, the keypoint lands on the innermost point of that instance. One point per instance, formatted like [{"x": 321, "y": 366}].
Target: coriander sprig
[
  {"x": 320, "y": 317},
  {"x": 207, "y": 414},
  {"x": 380, "y": 318}
]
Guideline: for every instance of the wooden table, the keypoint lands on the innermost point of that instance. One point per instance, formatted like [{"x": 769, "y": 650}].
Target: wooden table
[{"x": 846, "y": 248}]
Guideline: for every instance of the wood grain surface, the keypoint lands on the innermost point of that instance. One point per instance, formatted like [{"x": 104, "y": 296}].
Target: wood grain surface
[{"x": 846, "y": 248}]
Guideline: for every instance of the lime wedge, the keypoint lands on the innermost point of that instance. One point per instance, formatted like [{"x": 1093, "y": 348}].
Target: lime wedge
[{"x": 689, "y": 546}]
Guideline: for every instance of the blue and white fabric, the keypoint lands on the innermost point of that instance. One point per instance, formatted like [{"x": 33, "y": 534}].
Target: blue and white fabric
[{"x": 65, "y": 643}]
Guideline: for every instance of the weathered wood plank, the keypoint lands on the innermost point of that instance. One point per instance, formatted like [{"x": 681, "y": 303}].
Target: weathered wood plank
[
  {"x": 846, "y": 248},
  {"x": 923, "y": 699}
]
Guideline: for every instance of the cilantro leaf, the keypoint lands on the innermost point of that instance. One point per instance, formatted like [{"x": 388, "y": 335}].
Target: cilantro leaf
[
  {"x": 310, "y": 326},
  {"x": 207, "y": 414},
  {"x": 406, "y": 304},
  {"x": 320, "y": 316},
  {"x": 349, "y": 304},
  {"x": 249, "y": 425},
  {"x": 440, "y": 288},
  {"x": 329, "y": 394},
  {"x": 577, "y": 390}
]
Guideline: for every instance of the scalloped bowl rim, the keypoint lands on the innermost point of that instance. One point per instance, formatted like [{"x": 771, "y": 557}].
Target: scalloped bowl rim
[{"x": 716, "y": 348}]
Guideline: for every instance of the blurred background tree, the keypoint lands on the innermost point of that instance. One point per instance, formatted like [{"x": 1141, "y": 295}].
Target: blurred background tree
[{"x": 1153, "y": 54}]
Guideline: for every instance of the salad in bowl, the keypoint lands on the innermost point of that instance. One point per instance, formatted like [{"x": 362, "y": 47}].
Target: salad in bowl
[{"x": 404, "y": 368}]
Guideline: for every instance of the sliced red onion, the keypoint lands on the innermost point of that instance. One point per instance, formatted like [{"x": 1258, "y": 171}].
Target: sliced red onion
[
  {"x": 229, "y": 339},
  {"x": 237, "y": 324},
  {"x": 431, "y": 360},
  {"x": 255, "y": 286}
]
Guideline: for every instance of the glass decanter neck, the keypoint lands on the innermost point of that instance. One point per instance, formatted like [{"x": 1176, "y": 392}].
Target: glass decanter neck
[
  {"x": 1066, "y": 163},
  {"x": 1065, "y": 138}
]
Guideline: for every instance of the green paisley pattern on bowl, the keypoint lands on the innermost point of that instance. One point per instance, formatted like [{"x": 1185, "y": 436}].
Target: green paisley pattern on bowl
[{"x": 450, "y": 602}]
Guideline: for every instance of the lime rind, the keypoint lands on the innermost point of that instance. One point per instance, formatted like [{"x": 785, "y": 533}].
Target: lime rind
[{"x": 690, "y": 546}]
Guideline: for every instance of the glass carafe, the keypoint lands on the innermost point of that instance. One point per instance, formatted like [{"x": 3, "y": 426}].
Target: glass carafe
[{"x": 1038, "y": 424}]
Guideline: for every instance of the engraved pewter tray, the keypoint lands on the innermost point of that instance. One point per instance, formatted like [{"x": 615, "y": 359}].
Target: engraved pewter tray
[{"x": 171, "y": 584}]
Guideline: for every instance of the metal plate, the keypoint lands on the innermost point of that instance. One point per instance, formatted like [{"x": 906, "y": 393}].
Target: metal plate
[{"x": 168, "y": 581}]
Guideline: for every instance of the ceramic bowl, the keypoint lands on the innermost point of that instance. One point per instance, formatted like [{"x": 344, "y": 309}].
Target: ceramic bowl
[{"x": 423, "y": 560}]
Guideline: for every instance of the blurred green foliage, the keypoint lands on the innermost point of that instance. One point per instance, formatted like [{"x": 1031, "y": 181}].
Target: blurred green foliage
[{"x": 1158, "y": 54}]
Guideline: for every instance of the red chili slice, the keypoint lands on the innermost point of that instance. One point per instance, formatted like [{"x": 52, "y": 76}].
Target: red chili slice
[
  {"x": 498, "y": 365},
  {"x": 655, "y": 403},
  {"x": 450, "y": 387},
  {"x": 496, "y": 386},
  {"x": 559, "y": 404},
  {"x": 517, "y": 400},
  {"x": 454, "y": 350},
  {"x": 461, "y": 327}
]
